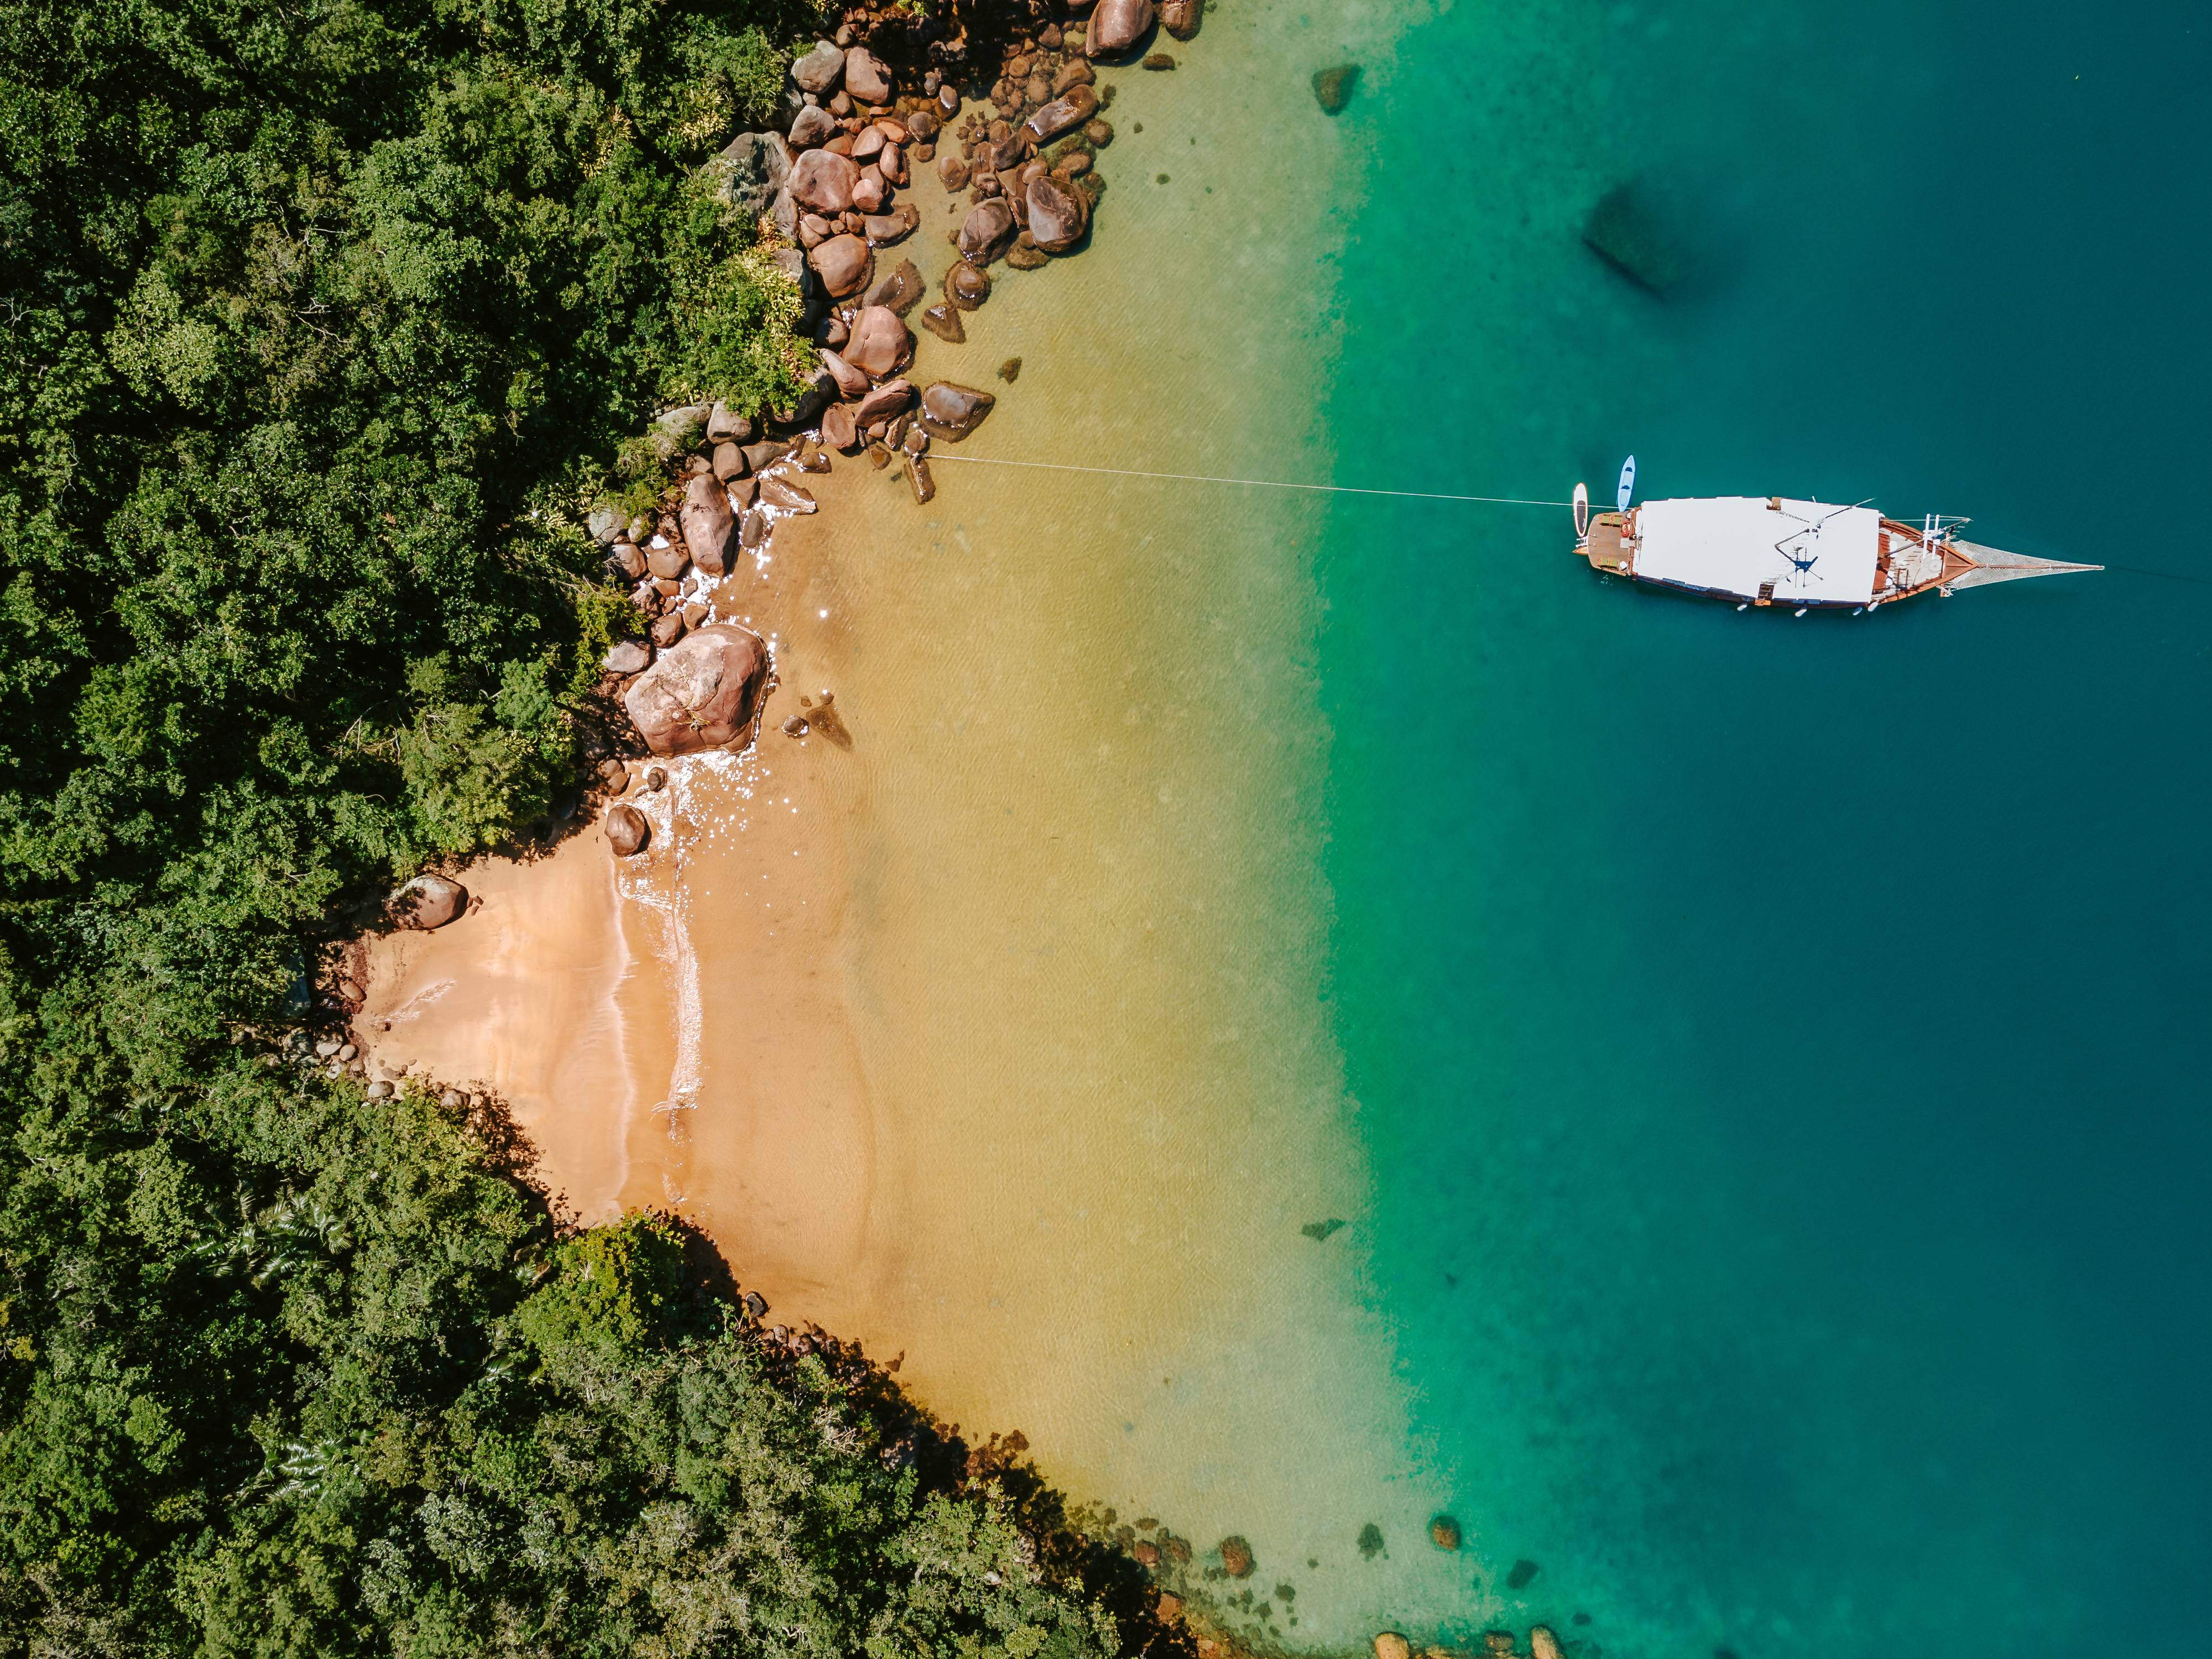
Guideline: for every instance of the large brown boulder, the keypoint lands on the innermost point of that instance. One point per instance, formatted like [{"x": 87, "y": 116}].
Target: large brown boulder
[
  {"x": 951, "y": 411},
  {"x": 867, "y": 77},
  {"x": 1058, "y": 213},
  {"x": 628, "y": 830},
  {"x": 1076, "y": 106},
  {"x": 701, "y": 693},
  {"x": 885, "y": 401},
  {"x": 710, "y": 526},
  {"x": 823, "y": 180},
  {"x": 984, "y": 232},
  {"x": 428, "y": 901},
  {"x": 880, "y": 345},
  {"x": 850, "y": 381},
  {"x": 817, "y": 71},
  {"x": 844, "y": 265},
  {"x": 1116, "y": 25}
]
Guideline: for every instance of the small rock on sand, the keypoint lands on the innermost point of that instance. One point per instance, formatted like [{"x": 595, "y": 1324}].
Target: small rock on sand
[
  {"x": 628, "y": 830},
  {"x": 1010, "y": 370},
  {"x": 944, "y": 321},
  {"x": 966, "y": 285},
  {"x": 921, "y": 479},
  {"x": 1444, "y": 1532},
  {"x": 428, "y": 901}
]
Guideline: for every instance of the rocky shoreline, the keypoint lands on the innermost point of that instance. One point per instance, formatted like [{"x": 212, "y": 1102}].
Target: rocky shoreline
[{"x": 1006, "y": 105}]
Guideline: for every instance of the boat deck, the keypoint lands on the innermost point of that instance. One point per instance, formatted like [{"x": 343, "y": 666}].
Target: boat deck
[{"x": 1606, "y": 551}]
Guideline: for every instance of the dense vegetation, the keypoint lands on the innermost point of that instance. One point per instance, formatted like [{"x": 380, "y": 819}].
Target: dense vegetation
[{"x": 318, "y": 326}]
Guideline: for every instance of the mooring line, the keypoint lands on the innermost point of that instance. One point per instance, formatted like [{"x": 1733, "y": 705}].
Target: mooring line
[{"x": 936, "y": 455}]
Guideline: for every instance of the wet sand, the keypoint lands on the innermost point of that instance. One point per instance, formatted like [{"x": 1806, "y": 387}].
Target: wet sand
[{"x": 999, "y": 1041}]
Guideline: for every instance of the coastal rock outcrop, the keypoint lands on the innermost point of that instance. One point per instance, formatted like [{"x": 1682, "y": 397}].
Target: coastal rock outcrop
[
  {"x": 701, "y": 692},
  {"x": 710, "y": 526},
  {"x": 812, "y": 125},
  {"x": 1117, "y": 25},
  {"x": 425, "y": 902},
  {"x": 880, "y": 346},
  {"x": 753, "y": 168},
  {"x": 886, "y": 400},
  {"x": 1389, "y": 1644},
  {"x": 1543, "y": 1645},
  {"x": 951, "y": 411},
  {"x": 628, "y": 830}
]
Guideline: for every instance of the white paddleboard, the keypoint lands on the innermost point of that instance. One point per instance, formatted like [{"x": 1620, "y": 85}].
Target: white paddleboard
[
  {"x": 1626, "y": 493},
  {"x": 1582, "y": 513}
]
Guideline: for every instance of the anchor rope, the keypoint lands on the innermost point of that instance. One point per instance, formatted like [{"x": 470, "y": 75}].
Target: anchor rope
[
  {"x": 1355, "y": 490},
  {"x": 1260, "y": 483}
]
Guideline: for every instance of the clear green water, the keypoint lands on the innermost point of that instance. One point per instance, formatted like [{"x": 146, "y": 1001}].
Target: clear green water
[{"x": 1781, "y": 1045}]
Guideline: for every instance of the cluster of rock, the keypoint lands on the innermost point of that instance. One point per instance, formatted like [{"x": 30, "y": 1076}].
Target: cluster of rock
[{"x": 1543, "y": 1643}]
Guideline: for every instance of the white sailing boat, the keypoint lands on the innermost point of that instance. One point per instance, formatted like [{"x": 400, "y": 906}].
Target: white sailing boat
[{"x": 1777, "y": 551}]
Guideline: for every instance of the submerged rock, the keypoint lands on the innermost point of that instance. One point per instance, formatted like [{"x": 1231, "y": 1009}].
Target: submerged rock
[
  {"x": 1543, "y": 1645},
  {"x": 1444, "y": 1532},
  {"x": 1320, "y": 1231},
  {"x": 944, "y": 321},
  {"x": 1180, "y": 17},
  {"x": 966, "y": 285},
  {"x": 1334, "y": 87},
  {"x": 1237, "y": 1556},
  {"x": 1370, "y": 1541},
  {"x": 1623, "y": 231},
  {"x": 951, "y": 411},
  {"x": 701, "y": 692},
  {"x": 1523, "y": 1571},
  {"x": 900, "y": 291}
]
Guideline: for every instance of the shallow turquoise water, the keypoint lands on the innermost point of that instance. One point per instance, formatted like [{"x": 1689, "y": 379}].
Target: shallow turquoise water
[{"x": 1780, "y": 1043}]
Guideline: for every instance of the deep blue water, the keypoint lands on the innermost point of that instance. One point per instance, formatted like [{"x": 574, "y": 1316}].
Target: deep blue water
[{"x": 1782, "y": 1044}]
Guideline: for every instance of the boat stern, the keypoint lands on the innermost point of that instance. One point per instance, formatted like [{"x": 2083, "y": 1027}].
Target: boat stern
[{"x": 1607, "y": 546}]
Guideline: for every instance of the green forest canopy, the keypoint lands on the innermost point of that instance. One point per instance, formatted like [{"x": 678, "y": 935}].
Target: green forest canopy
[{"x": 318, "y": 326}]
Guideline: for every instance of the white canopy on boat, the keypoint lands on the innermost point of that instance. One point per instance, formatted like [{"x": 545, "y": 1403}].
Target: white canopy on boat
[{"x": 1811, "y": 551}]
